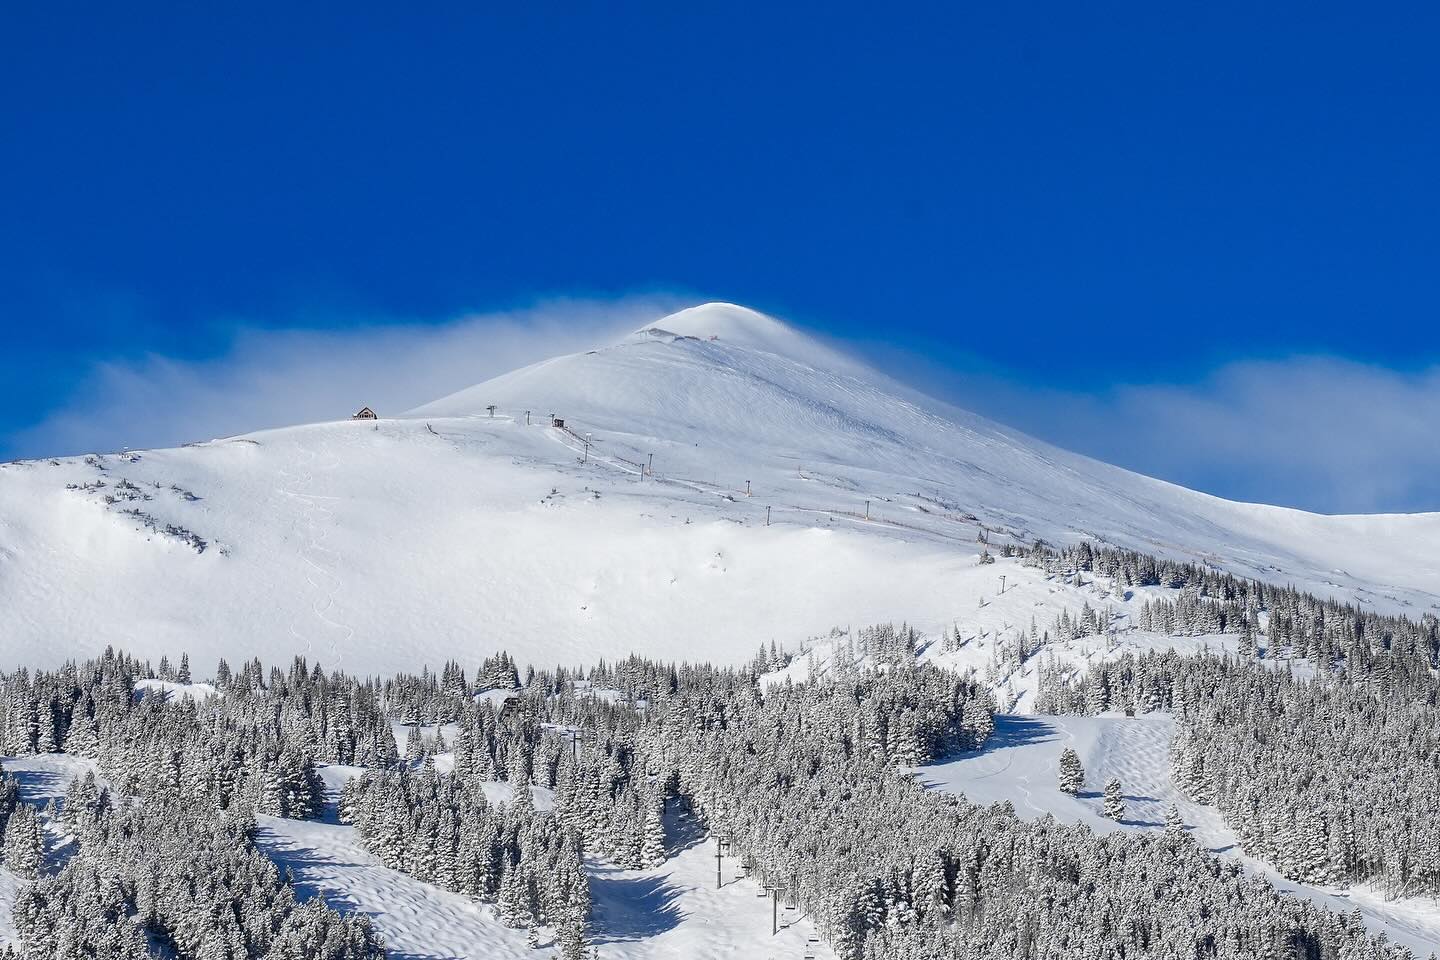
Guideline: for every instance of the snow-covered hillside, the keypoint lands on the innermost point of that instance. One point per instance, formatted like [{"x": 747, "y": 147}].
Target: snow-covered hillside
[
  {"x": 1020, "y": 766},
  {"x": 669, "y": 911},
  {"x": 452, "y": 532}
]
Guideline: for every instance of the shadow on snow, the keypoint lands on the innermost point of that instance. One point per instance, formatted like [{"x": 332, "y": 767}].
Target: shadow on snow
[
  {"x": 632, "y": 908},
  {"x": 1014, "y": 731}
]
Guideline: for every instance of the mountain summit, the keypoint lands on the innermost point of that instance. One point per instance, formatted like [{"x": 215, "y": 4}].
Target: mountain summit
[
  {"x": 720, "y": 478},
  {"x": 735, "y": 325}
]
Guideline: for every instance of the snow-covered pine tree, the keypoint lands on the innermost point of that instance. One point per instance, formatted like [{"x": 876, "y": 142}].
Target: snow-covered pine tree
[
  {"x": 24, "y": 841},
  {"x": 1072, "y": 772},
  {"x": 1114, "y": 807},
  {"x": 652, "y": 850}
]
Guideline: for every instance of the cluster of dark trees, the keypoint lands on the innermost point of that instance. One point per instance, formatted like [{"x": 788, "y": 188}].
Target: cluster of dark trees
[
  {"x": 801, "y": 780},
  {"x": 166, "y": 876},
  {"x": 1067, "y": 626},
  {"x": 1190, "y": 614},
  {"x": 439, "y": 698},
  {"x": 22, "y": 843},
  {"x": 1331, "y": 781},
  {"x": 1326, "y": 780},
  {"x": 256, "y": 744},
  {"x": 166, "y": 865},
  {"x": 601, "y": 748},
  {"x": 558, "y": 741},
  {"x": 442, "y": 830},
  {"x": 770, "y": 659}
]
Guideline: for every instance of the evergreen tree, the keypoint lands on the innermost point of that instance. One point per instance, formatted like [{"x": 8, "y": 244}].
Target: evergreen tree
[
  {"x": 24, "y": 842},
  {"x": 1114, "y": 800},
  {"x": 1072, "y": 773},
  {"x": 1174, "y": 824},
  {"x": 652, "y": 852}
]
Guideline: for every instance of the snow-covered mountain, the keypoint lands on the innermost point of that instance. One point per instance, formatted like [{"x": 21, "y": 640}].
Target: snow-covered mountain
[{"x": 452, "y": 531}]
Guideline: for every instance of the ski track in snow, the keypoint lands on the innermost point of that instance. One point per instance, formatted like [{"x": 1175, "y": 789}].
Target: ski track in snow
[
  {"x": 666, "y": 912},
  {"x": 1021, "y": 763}
]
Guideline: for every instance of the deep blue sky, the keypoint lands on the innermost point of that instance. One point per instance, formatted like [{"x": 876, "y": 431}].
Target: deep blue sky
[{"x": 1070, "y": 195}]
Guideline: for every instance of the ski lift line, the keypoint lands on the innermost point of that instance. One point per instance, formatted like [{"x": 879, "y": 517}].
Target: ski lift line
[
  {"x": 882, "y": 521},
  {"x": 627, "y": 466},
  {"x": 706, "y": 486}
]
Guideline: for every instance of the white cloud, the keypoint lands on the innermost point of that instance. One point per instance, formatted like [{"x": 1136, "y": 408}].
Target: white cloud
[
  {"x": 1313, "y": 432},
  {"x": 273, "y": 378}
]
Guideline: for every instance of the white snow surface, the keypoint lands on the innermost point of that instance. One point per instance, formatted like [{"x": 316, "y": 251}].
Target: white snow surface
[
  {"x": 416, "y": 919},
  {"x": 673, "y": 910},
  {"x": 449, "y": 533},
  {"x": 1020, "y": 765},
  {"x": 173, "y": 691},
  {"x": 10, "y": 886},
  {"x": 43, "y": 777}
]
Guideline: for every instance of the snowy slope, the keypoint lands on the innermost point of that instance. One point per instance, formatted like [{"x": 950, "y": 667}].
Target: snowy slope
[
  {"x": 672, "y": 910},
  {"x": 1021, "y": 764},
  {"x": 762, "y": 401},
  {"x": 452, "y": 533},
  {"x": 668, "y": 911}
]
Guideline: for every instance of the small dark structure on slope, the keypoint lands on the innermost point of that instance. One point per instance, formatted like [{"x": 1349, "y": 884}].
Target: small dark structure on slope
[{"x": 365, "y": 414}]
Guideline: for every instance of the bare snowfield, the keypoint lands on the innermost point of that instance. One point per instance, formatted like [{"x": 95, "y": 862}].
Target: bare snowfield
[
  {"x": 450, "y": 533},
  {"x": 1020, "y": 765}
]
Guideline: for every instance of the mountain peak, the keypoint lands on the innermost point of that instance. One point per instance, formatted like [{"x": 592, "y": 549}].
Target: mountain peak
[
  {"x": 723, "y": 321},
  {"x": 732, "y": 325}
]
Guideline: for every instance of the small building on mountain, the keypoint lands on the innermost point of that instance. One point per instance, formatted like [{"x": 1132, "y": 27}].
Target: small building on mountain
[{"x": 365, "y": 414}]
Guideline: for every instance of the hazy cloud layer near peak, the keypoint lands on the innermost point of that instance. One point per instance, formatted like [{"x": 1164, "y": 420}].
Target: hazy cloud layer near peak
[
  {"x": 1317, "y": 433},
  {"x": 271, "y": 378},
  {"x": 1312, "y": 432}
]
